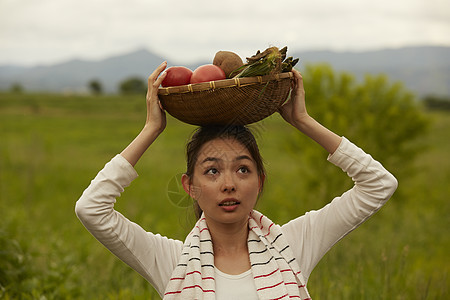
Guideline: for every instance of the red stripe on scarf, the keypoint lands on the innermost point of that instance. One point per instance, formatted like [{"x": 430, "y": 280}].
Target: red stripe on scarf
[
  {"x": 265, "y": 275},
  {"x": 190, "y": 287},
  {"x": 279, "y": 297},
  {"x": 190, "y": 273},
  {"x": 202, "y": 229},
  {"x": 269, "y": 287},
  {"x": 251, "y": 228},
  {"x": 269, "y": 230},
  {"x": 289, "y": 270}
]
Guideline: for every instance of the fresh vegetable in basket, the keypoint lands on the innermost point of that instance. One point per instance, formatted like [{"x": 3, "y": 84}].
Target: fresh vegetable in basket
[
  {"x": 270, "y": 61},
  {"x": 288, "y": 64}
]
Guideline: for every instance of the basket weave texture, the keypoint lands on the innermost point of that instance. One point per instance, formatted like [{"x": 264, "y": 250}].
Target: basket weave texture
[{"x": 236, "y": 101}]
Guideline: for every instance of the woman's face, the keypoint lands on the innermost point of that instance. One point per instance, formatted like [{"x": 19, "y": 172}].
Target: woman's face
[{"x": 225, "y": 182}]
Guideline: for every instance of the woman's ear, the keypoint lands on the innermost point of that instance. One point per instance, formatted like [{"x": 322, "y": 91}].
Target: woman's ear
[
  {"x": 186, "y": 182},
  {"x": 188, "y": 186},
  {"x": 262, "y": 178}
]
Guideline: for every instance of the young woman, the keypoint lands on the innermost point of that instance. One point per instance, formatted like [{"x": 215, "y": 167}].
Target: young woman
[{"x": 233, "y": 252}]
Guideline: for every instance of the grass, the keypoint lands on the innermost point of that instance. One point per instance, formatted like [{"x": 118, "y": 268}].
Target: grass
[{"x": 51, "y": 146}]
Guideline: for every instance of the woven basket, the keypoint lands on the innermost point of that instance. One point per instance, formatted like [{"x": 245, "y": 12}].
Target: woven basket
[{"x": 224, "y": 102}]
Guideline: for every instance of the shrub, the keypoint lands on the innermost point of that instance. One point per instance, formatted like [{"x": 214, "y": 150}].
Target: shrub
[{"x": 379, "y": 116}]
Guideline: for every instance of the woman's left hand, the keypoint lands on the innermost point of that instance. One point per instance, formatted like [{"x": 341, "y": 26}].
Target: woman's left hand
[{"x": 294, "y": 110}]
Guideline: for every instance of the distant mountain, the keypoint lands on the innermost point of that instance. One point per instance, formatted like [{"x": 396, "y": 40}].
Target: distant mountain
[
  {"x": 74, "y": 75},
  {"x": 423, "y": 70}
]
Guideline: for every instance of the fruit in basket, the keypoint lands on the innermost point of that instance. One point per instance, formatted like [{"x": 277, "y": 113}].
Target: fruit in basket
[
  {"x": 228, "y": 61},
  {"x": 207, "y": 73},
  {"x": 177, "y": 76}
]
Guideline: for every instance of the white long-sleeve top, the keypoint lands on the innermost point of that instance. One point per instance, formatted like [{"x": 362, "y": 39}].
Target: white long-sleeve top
[{"x": 310, "y": 236}]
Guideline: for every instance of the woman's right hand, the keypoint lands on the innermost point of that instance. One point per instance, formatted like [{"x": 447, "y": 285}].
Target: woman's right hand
[
  {"x": 156, "y": 116},
  {"x": 155, "y": 122}
]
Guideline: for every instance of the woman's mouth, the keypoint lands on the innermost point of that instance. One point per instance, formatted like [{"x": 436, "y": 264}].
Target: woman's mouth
[{"x": 229, "y": 204}]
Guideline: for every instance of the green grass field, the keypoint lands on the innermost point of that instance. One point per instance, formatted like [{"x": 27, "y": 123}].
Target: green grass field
[{"x": 51, "y": 146}]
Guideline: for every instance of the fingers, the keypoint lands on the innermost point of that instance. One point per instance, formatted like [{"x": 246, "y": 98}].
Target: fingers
[
  {"x": 154, "y": 80},
  {"x": 298, "y": 82},
  {"x": 157, "y": 71},
  {"x": 296, "y": 73},
  {"x": 297, "y": 78},
  {"x": 158, "y": 81},
  {"x": 160, "y": 106}
]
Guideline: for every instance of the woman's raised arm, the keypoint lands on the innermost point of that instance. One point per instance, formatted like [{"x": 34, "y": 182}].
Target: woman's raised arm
[
  {"x": 155, "y": 122},
  {"x": 295, "y": 113}
]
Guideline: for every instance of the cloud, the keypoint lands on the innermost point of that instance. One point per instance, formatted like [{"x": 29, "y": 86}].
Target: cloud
[{"x": 51, "y": 30}]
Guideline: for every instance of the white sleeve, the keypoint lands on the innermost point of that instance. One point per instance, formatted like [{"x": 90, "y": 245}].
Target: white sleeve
[
  {"x": 313, "y": 234},
  {"x": 151, "y": 255}
]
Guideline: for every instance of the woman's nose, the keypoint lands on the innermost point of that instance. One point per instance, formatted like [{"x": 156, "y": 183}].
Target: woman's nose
[{"x": 228, "y": 183}]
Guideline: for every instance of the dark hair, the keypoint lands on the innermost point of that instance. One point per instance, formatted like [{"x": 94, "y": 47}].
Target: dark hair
[{"x": 204, "y": 134}]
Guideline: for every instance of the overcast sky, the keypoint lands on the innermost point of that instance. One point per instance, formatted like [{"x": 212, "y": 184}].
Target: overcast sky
[{"x": 48, "y": 31}]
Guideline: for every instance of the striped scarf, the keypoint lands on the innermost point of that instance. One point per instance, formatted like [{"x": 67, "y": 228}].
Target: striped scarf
[{"x": 274, "y": 267}]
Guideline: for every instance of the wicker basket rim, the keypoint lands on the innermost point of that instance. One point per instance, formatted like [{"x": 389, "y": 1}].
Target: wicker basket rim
[{"x": 225, "y": 83}]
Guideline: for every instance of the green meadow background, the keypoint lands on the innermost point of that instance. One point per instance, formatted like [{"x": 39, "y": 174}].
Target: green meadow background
[{"x": 51, "y": 146}]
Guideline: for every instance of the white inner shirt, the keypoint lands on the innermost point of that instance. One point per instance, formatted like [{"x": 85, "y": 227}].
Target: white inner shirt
[{"x": 230, "y": 287}]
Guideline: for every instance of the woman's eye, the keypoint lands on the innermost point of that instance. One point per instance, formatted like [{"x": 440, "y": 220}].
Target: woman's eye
[
  {"x": 212, "y": 171},
  {"x": 243, "y": 170}
]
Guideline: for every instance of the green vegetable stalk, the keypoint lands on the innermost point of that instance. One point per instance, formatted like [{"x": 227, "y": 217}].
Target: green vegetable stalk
[{"x": 270, "y": 61}]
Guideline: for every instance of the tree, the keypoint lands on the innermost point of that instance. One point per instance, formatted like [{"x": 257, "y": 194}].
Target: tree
[
  {"x": 437, "y": 103},
  {"x": 133, "y": 85},
  {"x": 16, "y": 88},
  {"x": 95, "y": 86},
  {"x": 379, "y": 116}
]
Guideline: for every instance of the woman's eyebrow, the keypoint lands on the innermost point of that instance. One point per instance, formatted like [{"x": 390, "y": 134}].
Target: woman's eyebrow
[
  {"x": 216, "y": 159},
  {"x": 209, "y": 158},
  {"x": 241, "y": 157}
]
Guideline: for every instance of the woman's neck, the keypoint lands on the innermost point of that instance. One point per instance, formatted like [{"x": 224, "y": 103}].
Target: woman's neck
[
  {"x": 230, "y": 246},
  {"x": 228, "y": 238}
]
